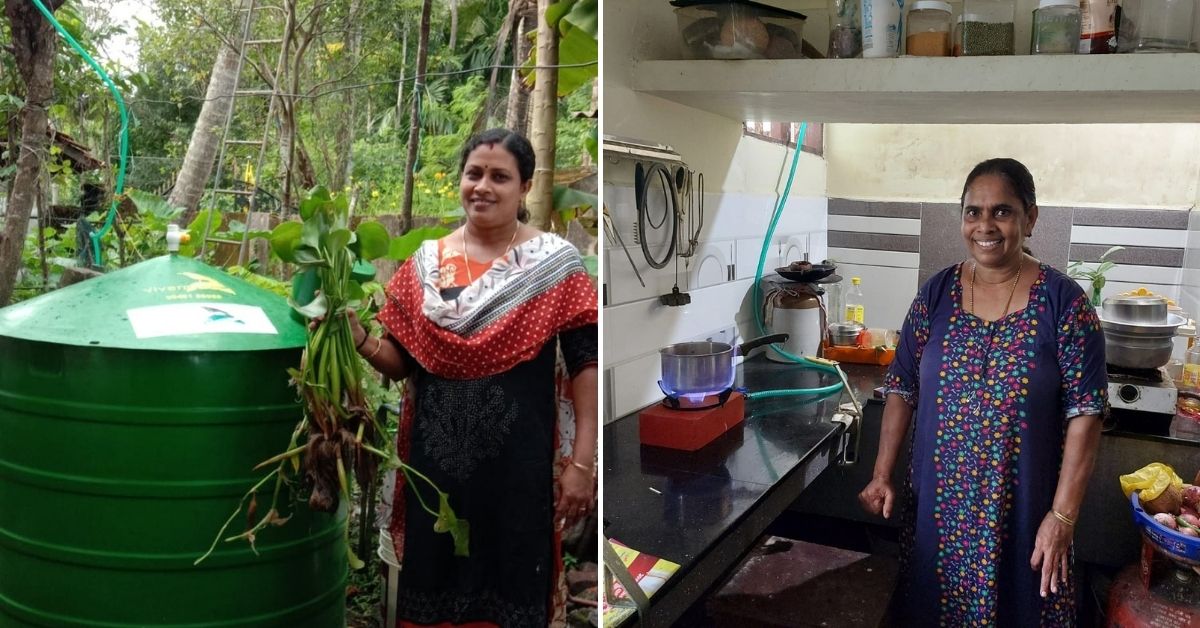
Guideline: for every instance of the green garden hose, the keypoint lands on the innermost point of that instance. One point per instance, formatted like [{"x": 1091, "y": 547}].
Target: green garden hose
[
  {"x": 757, "y": 297},
  {"x": 124, "y": 139}
]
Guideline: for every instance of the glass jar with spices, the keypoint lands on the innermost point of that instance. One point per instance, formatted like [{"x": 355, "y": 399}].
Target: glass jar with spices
[
  {"x": 988, "y": 27},
  {"x": 1055, "y": 28},
  {"x": 845, "y": 30},
  {"x": 956, "y": 37},
  {"x": 928, "y": 29}
]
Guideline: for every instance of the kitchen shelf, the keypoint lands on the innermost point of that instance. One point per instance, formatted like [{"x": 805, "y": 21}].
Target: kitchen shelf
[{"x": 953, "y": 90}]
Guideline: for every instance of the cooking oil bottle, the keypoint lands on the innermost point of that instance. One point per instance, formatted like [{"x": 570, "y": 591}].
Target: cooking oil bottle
[
  {"x": 1191, "y": 367},
  {"x": 854, "y": 302},
  {"x": 1186, "y": 423}
]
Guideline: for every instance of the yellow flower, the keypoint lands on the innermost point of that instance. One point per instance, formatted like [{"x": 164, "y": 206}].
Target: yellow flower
[
  {"x": 439, "y": 176},
  {"x": 374, "y": 193}
]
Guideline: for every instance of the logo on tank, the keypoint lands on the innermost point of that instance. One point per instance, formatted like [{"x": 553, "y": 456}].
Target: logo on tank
[{"x": 201, "y": 287}]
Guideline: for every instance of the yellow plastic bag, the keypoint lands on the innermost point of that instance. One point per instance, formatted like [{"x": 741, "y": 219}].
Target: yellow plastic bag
[{"x": 1151, "y": 480}]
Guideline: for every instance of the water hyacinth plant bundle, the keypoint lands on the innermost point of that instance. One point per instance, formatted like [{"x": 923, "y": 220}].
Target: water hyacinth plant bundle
[{"x": 339, "y": 439}]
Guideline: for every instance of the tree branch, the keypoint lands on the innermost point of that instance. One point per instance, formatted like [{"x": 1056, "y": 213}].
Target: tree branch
[
  {"x": 212, "y": 27},
  {"x": 349, "y": 73}
]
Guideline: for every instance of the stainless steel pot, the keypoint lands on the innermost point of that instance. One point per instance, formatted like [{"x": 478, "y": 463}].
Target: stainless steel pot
[
  {"x": 845, "y": 333},
  {"x": 1141, "y": 310},
  {"x": 1137, "y": 346},
  {"x": 692, "y": 368}
]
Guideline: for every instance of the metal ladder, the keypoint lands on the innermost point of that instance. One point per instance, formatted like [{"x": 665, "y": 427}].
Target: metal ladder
[{"x": 250, "y": 8}]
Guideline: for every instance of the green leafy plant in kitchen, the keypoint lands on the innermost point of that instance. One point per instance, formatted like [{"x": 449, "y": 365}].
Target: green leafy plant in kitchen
[{"x": 1094, "y": 274}]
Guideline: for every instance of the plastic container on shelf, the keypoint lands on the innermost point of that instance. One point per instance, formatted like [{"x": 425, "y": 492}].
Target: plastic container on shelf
[
  {"x": 1186, "y": 424},
  {"x": 834, "y": 300},
  {"x": 853, "y": 302},
  {"x": 1097, "y": 26},
  {"x": 988, "y": 27},
  {"x": 738, "y": 29},
  {"x": 1156, "y": 25},
  {"x": 881, "y": 28},
  {"x": 928, "y": 33},
  {"x": 1055, "y": 28},
  {"x": 845, "y": 30}
]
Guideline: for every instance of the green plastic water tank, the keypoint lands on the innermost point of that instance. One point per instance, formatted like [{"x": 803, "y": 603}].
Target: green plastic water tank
[{"x": 133, "y": 407}]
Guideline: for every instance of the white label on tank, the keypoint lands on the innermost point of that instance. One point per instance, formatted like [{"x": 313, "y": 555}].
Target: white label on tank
[{"x": 186, "y": 319}]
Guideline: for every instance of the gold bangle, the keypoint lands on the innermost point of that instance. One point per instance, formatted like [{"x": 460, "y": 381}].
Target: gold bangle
[
  {"x": 378, "y": 346},
  {"x": 581, "y": 467},
  {"x": 1063, "y": 518}
]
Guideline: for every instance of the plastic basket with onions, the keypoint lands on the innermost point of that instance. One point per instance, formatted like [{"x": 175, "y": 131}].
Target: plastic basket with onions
[{"x": 1172, "y": 543}]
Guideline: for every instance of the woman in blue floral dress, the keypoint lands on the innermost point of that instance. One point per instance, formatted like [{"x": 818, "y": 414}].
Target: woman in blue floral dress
[{"x": 1001, "y": 365}]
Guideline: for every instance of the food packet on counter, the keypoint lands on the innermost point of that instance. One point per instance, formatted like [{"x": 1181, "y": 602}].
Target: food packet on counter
[{"x": 1151, "y": 480}]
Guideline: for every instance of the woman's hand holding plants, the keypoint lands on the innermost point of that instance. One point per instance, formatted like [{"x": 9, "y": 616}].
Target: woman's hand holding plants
[{"x": 358, "y": 333}]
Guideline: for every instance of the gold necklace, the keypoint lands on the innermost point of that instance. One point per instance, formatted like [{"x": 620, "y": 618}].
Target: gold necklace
[
  {"x": 1011, "y": 292},
  {"x": 467, "y": 258}
]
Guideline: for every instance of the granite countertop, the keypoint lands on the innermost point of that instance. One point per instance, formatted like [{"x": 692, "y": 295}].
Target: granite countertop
[{"x": 681, "y": 505}]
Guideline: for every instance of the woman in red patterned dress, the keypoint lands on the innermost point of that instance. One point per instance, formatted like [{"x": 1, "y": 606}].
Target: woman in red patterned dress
[{"x": 475, "y": 322}]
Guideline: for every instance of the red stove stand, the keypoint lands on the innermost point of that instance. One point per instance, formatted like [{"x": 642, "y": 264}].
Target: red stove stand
[{"x": 689, "y": 430}]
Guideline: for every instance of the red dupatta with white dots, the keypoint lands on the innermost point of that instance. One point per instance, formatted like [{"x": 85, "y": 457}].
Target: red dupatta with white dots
[
  {"x": 501, "y": 319},
  {"x": 505, "y": 317}
]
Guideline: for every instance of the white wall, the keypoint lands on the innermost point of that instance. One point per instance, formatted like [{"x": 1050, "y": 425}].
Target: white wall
[
  {"x": 1190, "y": 290},
  {"x": 1088, "y": 165},
  {"x": 743, "y": 178}
]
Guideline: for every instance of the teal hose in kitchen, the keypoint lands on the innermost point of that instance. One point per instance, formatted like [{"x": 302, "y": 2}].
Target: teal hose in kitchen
[
  {"x": 124, "y": 132},
  {"x": 758, "y": 296}
]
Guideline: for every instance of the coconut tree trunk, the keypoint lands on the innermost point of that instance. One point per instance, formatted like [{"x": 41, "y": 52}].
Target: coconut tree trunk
[
  {"x": 414, "y": 125},
  {"x": 453, "y": 23},
  {"x": 517, "y": 116},
  {"x": 505, "y": 35},
  {"x": 294, "y": 161},
  {"x": 345, "y": 131},
  {"x": 545, "y": 121},
  {"x": 210, "y": 127},
  {"x": 33, "y": 46}
]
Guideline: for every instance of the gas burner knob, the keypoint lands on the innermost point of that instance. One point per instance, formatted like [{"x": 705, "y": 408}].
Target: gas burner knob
[{"x": 1129, "y": 393}]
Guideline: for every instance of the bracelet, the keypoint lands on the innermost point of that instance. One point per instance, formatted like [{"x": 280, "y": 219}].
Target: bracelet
[
  {"x": 581, "y": 467},
  {"x": 359, "y": 346},
  {"x": 1063, "y": 518},
  {"x": 378, "y": 346}
]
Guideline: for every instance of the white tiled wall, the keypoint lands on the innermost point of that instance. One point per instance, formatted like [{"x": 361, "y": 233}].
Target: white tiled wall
[
  {"x": 888, "y": 291},
  {"x": 732, "y": 236},
  {"x": 718, "y": 278}
]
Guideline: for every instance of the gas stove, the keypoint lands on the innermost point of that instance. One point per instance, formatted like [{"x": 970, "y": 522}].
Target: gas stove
[
  {"x": 689, "y": 422},
  {"x": 1142, "y": 390},
  {"x": 693, "y": 401}
]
